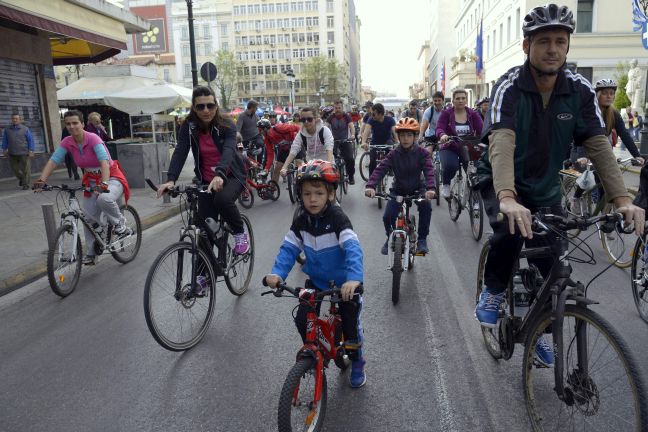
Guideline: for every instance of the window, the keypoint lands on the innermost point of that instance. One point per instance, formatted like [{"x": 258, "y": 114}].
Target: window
[
  {"x": 584, "y": 16},
  {"x": 235, "y": 10},
  {"x": 185, "y": 33},
  {"x": 167, "y": 75},
  {"x": 224, "y": 30},
  {"x": 586, "y": 72},
  {"x": 225, "y": 46},
  {"x": 329, "y": 6},
  {"x": 187, "y": 70},
  {"x": 330, "y": 37},
  {"x": 518, "y": 24},
  {"x": 501, "y": 40},
  {"x": 185, "y": 50},
  {"x": 330, "y": 22},
  {"x": 206, "y": 31},
  {"x": 488, "y": 46},
  {"x": 331, "y": 52},
  {"x": 494, "y": 42},
  {"x": 508, "y": 31}
]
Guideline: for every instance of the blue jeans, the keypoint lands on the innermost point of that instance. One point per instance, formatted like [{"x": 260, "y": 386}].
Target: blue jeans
[
  {"x": 450, "y": 164},
  {"x": 425, "y": 215}
]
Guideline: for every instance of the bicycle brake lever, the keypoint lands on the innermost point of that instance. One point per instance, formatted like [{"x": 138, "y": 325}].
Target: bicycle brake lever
[{"x": 267, "y": 292}]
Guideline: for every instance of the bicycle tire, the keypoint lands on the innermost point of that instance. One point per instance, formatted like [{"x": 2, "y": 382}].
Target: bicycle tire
[
  {"x": 490, "y": 335},
  {"x": 412, "y": 252},
  {"x": 291, "y": 187},
  {"x": 568, "y": 188},
  {"x": 246, "y": 193},
  {"x": 588, "y": 394},
  {"x": 341, "y": 362},
  {"x": 476, "y": 216},
  {"x": 344, "y": 179},
  {"x": 178, "y": 304},
  {"x": 339, "y": 191},
  {"x": 276, "y": 191},
  {"x": 300, "y": 387},
  {"x": 134, "y": 223},
  {"x": 364, "y": 165},
  {"x": 397, "y": 269},
  {"x": 60, "y": 284},
  {"x": 639, "y": 286},
  {"x": 614, "y": 244},
  {"x": 437, "y": 182},
  {"x": 380, "y": 188},
  {"x": 238, "y": 272}
]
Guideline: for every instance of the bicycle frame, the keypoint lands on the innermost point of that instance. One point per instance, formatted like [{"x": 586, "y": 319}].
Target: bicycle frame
[{"x": 401, "y": 230}]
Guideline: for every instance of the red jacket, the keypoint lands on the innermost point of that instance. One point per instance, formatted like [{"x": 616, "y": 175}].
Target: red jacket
[{"x": 282, "y": 132}]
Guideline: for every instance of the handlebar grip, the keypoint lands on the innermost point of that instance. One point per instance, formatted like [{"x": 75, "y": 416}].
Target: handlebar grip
[{"x": 151, "y": 184}]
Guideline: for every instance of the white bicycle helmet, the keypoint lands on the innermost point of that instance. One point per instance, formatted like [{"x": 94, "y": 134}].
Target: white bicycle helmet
[{"x": 605, "y": 83}]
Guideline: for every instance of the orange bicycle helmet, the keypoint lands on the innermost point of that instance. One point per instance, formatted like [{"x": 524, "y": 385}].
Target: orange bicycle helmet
[{"x": 407, "y": 124}]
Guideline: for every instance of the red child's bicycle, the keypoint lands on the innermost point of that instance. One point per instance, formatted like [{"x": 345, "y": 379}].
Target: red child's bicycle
[
  {"x": 266, "y": 189},
  {"x": 302, "y": 404}
]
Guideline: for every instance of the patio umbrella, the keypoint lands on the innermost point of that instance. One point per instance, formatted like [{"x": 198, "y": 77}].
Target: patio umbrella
[
  {"x": 236, "y": 111},
  {"x": 150, "y": 100}
]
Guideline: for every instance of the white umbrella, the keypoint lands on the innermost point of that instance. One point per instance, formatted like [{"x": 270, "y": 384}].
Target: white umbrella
[
  {"x": 150, "y": 99},
  {"x": 91, "y": 90}
]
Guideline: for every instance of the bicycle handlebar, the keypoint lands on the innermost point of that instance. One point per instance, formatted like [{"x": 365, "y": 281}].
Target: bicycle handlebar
[
  {"x": 541, "y": 220},
  {"x": 400, "y": 198},
  {"x": 176, "y": 190},
  {"x": 296, "y": 291},
  {"x": 67, "y": 188}
]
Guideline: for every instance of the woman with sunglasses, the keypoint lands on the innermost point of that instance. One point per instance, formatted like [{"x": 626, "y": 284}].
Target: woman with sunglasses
[
  {"x": 314, "y": 140},
  {"x": 212, "y": 139}
]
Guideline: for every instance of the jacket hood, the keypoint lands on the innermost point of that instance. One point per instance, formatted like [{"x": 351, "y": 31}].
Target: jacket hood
[{"x": 318, "y": 125}]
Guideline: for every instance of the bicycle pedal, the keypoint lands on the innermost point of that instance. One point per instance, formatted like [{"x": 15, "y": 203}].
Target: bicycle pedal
[{"x": 420, "y": 254}]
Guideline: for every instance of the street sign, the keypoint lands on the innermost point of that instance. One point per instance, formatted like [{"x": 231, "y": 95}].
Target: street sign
[{"x": 208, "y": 71}]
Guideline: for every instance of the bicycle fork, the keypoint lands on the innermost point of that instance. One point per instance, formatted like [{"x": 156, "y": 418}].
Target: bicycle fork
[{"x": 390, "y": 250}]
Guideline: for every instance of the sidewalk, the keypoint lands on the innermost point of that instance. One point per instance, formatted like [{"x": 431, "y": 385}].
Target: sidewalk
[{"x": 23, "y": 255}]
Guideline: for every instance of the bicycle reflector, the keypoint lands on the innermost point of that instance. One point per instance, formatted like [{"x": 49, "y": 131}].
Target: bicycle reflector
[{"x": 400, "y": 223}]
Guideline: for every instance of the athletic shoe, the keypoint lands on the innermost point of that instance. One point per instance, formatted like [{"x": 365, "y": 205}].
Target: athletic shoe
[
  {"x": 544, "y": 353},
  {"x": 122, "y": 231},
  {"x": 89, "y": 260},
  {"x": 358, "y": 377},
  {"x": 351, "y": 180},
  {"x": 445, "y": 191},
  {"x": 383, "y": 250},
  {"x": 241, "y": 244},
  {"x": 201, "y": 286},
  {"x": 422, "y": 247},
  {"x": 487, "y": 309}
]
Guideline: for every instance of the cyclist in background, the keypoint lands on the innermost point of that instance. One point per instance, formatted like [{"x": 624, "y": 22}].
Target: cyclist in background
[
  {"x": 99, "y": 171},
  {"x": 355, "y": 118},
  {"x": 383, "y": 131},
  {"x": 341, "y": 126},
  {"x": 413, "y": 173},
  {"x": 482, "y": 107},
  {"x": 458, "y": 120},
  {"x": 324, "y": 233},
  {"x": 314, "y": 140},
  {"x": 367, "y": 115},
  {"x": 280, "y": 135},
  {"x": 412, "y": 112},
  {"x": 430, "y": 119},
  {"x": 246, "y": 125},
  {"x": 520, "y": 171}
]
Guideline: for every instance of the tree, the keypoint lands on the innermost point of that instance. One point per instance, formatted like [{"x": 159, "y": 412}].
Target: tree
[
  {"x": 322, "y": 72},
  {"x": 227, "y": 79},
  {"x": 621, "y": 100}
]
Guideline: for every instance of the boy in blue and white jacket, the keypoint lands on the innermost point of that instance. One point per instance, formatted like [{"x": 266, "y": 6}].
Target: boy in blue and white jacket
[{"x": 325, "y": 235}]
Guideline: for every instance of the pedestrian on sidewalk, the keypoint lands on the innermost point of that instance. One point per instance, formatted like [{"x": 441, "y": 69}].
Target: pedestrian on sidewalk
[
  {"x": 94, "y": 125},
  {"x": 101, "y": 173},
  {"x": 69, "y": 160},
  {"x": 638, "y": 125},
  {"x": 18, "y": 145}
]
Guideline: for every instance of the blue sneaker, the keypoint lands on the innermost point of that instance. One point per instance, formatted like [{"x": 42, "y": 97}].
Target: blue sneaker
[
  {"x": 358, "y": 377},
  {"x": 487, "y": 309},
  {"x": 422, "y": 247},
  {"x": 544, "y": 353}
]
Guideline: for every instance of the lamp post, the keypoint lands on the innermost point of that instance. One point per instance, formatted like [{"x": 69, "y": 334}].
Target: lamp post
[
  {"x": 291, "y": 85},
  {"x": 192, "y": 44},
  {"x": 322, "y": 89}
]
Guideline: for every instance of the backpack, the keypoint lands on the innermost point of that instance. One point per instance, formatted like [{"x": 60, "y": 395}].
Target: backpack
[
  {"x": 286, "y": 132},
  {"x": 321, "y": 138}
]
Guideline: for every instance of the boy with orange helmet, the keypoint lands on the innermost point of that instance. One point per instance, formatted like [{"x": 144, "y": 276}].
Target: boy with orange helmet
[{"x": 407, "y": 161}]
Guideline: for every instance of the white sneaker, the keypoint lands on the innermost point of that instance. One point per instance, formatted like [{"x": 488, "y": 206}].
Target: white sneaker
[{"x": 445, "y": 191}]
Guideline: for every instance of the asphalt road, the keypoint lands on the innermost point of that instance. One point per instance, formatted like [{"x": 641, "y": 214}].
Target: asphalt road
[{"x": 88, "y": 362}]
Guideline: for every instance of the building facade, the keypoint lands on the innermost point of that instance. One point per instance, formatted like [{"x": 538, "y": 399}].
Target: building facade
[{"x": 442, "y": 43}]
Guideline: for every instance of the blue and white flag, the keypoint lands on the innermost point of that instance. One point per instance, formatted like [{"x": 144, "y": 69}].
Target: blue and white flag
[
  {"x": 479, "y": 51},
  {"x": 640, "y": 19}
]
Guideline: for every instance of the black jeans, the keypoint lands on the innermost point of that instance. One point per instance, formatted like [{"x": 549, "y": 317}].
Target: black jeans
[
  {"x": 346, "y": 149},
  {"x": 223, "y": 203},
  {"x": 71, "y": 167},
  {"x": 505, "y": 248}
]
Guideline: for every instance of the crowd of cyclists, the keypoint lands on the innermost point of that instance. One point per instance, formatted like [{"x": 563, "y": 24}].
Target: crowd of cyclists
[{"x": 538, "y": 114}]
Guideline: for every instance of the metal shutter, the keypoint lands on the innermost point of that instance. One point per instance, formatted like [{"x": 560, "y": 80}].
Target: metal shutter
[{"x": 19, "y": 94}]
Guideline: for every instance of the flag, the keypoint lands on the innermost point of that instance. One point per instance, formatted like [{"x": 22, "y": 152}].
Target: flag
[
  {"x": 479, "y": 51},
  {"x": 442, "y": 77}
]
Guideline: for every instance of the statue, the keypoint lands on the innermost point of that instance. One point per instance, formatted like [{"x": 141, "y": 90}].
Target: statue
[{"x": 634, "y": 88}]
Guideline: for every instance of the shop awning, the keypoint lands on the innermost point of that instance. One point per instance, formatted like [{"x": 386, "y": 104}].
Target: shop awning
[
  {"x": 98, "y": 31},
  {"x": 151, "y": 99}
]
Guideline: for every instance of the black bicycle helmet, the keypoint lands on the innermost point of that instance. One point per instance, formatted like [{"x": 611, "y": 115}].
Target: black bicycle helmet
[
  {"x": 605, "y": 83},
  {"x": 549, "y": 16},
  {"x": 264, "y": 124}
]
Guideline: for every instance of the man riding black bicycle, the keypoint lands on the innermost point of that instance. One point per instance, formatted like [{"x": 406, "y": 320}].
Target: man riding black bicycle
[
  {"x": 342, "y": 128},
  {"x": 537, "y": 110}
]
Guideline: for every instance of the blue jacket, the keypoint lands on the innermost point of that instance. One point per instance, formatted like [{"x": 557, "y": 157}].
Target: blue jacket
[
  {"x": 331, "y": 247},
  {"x": 407, "y": 166}
]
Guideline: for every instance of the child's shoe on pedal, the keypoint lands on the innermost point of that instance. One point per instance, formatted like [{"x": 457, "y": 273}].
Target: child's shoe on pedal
[{"x": 358, "y": 377}]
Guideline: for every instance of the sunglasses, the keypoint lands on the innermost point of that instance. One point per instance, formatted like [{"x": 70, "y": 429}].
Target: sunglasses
[
  {"x": 306, "y": 119},
  {"x": 201, "y": 107}
]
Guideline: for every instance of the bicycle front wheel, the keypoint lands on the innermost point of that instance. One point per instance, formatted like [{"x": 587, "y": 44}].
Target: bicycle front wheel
[
  {"x": 292, "y": 192},
  {"x": 298, "y": 409},
  {"x": 476, "y": 214},
  {"x": 638, "y": 278},
  {"x": 239, "y": 267},
  {"x": 246, "y": 197},
  {"x": 617, "y": 245},
  {"x": 397, "y": 268},
  {"x": 490, "y": 335},
  {"x": 437, "y": 181},
  {"x": 603, "y": 386},
  {"x": 125, "y": 250},
  {"x": 64, "y": 261},
  {"x": 454, "y": 202},
  {"x": 177, "y": 309},
  {"x": 364, "y": 166}
]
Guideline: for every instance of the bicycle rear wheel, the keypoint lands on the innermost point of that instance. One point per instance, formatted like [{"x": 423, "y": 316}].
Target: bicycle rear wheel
[
  {"x": 397, "y": 269},
  {"x": 490, "y": 335},
  {"x": 606, "y": 394},
  {"x": 380, "y": 188},
  {"x": 575, "y": 206},
  {"x": 638, "y": 278},
  {"x": 177, "y": 315},
  {"x": 437, "y": 181},
  {"x": 64, "y": 261},
  {"x": 125, "y": 250},
  {"x": 239, "y": 267},
  {"x": 476, "y": 214},
  {"x": 364, "y": 166},
  {"x": 297, "y": 407},
  {"x": 617, "y": 245}
]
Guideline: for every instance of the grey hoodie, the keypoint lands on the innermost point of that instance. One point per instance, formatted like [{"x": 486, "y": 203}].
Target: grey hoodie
[{"x": 314, "y": 148}]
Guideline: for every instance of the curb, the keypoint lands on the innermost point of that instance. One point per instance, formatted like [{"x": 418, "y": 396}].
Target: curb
[{"x": 39, "y": 269}]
